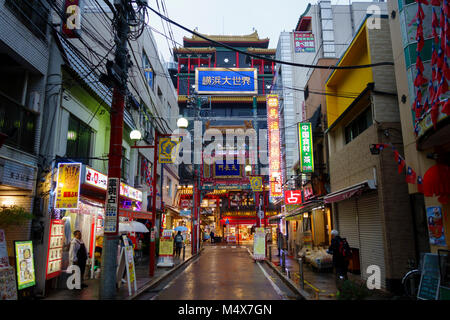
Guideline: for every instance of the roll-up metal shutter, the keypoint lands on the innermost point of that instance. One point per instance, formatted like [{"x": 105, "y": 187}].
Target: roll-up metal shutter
[
  {"x": 371, "y": 235},
  {"x": 348, "y": 226}
]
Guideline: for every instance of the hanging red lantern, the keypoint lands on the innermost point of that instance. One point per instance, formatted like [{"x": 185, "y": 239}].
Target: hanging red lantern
[{"x": 436, "y": 182}]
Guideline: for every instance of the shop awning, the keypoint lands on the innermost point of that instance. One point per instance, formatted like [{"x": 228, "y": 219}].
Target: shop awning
[
  {"x": 308, "y": 206},
  {"x": 131, "y": 214},
  {"x": 349, "y": 192}
]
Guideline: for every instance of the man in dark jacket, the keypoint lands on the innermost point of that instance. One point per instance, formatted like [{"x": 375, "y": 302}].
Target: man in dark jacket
[{"x": 340, "y": 262}]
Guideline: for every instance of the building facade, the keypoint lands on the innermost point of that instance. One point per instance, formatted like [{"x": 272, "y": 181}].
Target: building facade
[
  {"x": 24, "y": 50},
  {"x": 425, "y": 127},
  {"x": 371, "y": 206}
]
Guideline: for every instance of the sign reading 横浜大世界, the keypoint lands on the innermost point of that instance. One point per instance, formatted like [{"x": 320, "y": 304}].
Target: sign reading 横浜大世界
[
  {"x": 226, "y": 80},
  {"x": 305, "y": 147}
]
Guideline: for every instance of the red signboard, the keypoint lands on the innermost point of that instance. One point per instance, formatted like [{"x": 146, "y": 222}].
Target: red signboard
[
  {"x": 293, "y": 197},
  {"x": 55, "y": 246},
  {"x": 71, "y": 27}
]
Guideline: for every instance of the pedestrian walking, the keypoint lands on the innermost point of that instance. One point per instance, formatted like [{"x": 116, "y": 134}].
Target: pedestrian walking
[
  {"x": 178, "y": 244},
  {"x": 212, "y": 236},
  {"x": 279, "y": 241},
  {"x": 78, "y": 254},
  {"x": 341, "y": 252}
]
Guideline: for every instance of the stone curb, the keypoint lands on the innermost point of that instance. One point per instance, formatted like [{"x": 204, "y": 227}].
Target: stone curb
[{"x": 289, "y": 282}]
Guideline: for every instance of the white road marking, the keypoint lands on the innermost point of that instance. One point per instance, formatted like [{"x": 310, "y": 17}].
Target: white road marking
[{"x": 277, "y": 289}]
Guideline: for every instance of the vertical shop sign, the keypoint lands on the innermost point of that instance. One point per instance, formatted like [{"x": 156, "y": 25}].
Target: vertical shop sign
[
  {"x": 24, "y": 264},
  {"x": 68, "y": 186},
  {"x": 436, "y": 226},
  {"x": 305, "y": 147},
  {"x": 112, "y": 201},
  {"x": 273, "y": 126},
  {"x": 55, "y": 248},
  {"x": 304, "y": 41}
]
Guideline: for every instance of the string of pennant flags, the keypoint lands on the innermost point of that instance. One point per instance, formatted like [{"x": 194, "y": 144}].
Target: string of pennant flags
[
  {"x": 411, "y": 176},
  {"x": 437, "y": 85}
]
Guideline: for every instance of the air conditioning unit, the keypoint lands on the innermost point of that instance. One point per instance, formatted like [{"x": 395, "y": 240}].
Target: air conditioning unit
[{"x": 33, "y": 103}]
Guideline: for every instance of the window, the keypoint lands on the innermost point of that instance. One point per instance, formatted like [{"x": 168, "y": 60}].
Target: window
[
  {"x": 32, "y": 13},
  {"x": 18, "y": 123},
  {"x": 78, "y": 140},
  {"x": 125, "y": 166},
  {"x": 148, "y": 70},
  {"x": 357, "y": 126}
]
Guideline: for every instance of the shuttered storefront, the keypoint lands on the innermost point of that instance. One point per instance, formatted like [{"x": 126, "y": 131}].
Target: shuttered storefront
[
  {"x": 371, "y": 235},
  {"x": 347, "y": 223}
]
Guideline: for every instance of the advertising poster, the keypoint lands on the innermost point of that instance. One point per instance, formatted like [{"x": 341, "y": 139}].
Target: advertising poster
[
  {"x": 4, "y": 260},
  {"x": 24, "y": 264},
  {"x": 8, "y": 289},
  {"x": 259, "y": 244},
  {"x": 304, "y": 42},
  {"x": 68, "y": 186},
  {"x": 436, "y": 226}
]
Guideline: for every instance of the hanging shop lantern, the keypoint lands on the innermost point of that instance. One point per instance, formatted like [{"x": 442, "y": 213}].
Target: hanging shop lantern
[{"x": 436, "y": 182}]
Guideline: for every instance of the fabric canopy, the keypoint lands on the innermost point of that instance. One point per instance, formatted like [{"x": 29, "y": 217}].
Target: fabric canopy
[{"x": 349, "y": 192}]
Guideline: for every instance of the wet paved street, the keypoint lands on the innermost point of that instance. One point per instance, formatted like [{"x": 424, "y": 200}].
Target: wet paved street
[{"x": 225, "y": 273}]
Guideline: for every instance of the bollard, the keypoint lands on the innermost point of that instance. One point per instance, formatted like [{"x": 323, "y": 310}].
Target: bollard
[
  {"x": 270, "y": 253},
  {"x": 302, "y": 280}
]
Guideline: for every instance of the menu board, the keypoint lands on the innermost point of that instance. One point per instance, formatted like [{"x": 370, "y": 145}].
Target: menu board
[
  {"x": 24, "y": 264},
  {"x": 8, "y": 289},
  {"x": 55, "y": 248},
  {"x": 429, "y": 281}
]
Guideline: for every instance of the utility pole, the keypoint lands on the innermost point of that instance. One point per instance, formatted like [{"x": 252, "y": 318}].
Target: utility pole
[{"x": 119, "y": 74}]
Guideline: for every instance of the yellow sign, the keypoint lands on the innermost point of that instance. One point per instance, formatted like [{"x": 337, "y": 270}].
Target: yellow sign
[
  {"x": 167, "y": 150},
  {"x": 256, "y": 183},
  {"x": 25, "y": 264},
  {"x": 165, "y": 247},
  {"x": 68, "y": 186}
]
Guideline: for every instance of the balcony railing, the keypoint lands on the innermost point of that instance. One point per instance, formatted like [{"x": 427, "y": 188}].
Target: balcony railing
[{"x": 18, "y": 123}]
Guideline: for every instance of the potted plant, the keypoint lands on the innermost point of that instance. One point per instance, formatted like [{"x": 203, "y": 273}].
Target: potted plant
[{"x": 14, "y": 215}]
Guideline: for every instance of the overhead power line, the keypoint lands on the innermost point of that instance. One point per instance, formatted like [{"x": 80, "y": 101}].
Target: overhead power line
[{"x": 378, "y": 64}]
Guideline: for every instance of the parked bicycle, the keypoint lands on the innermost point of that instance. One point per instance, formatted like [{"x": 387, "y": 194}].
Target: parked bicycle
[{"x": 411, "y": 281}]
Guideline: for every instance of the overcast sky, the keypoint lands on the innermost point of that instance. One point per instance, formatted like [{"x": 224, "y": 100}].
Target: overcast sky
[{"x": 229, "y": 17}]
